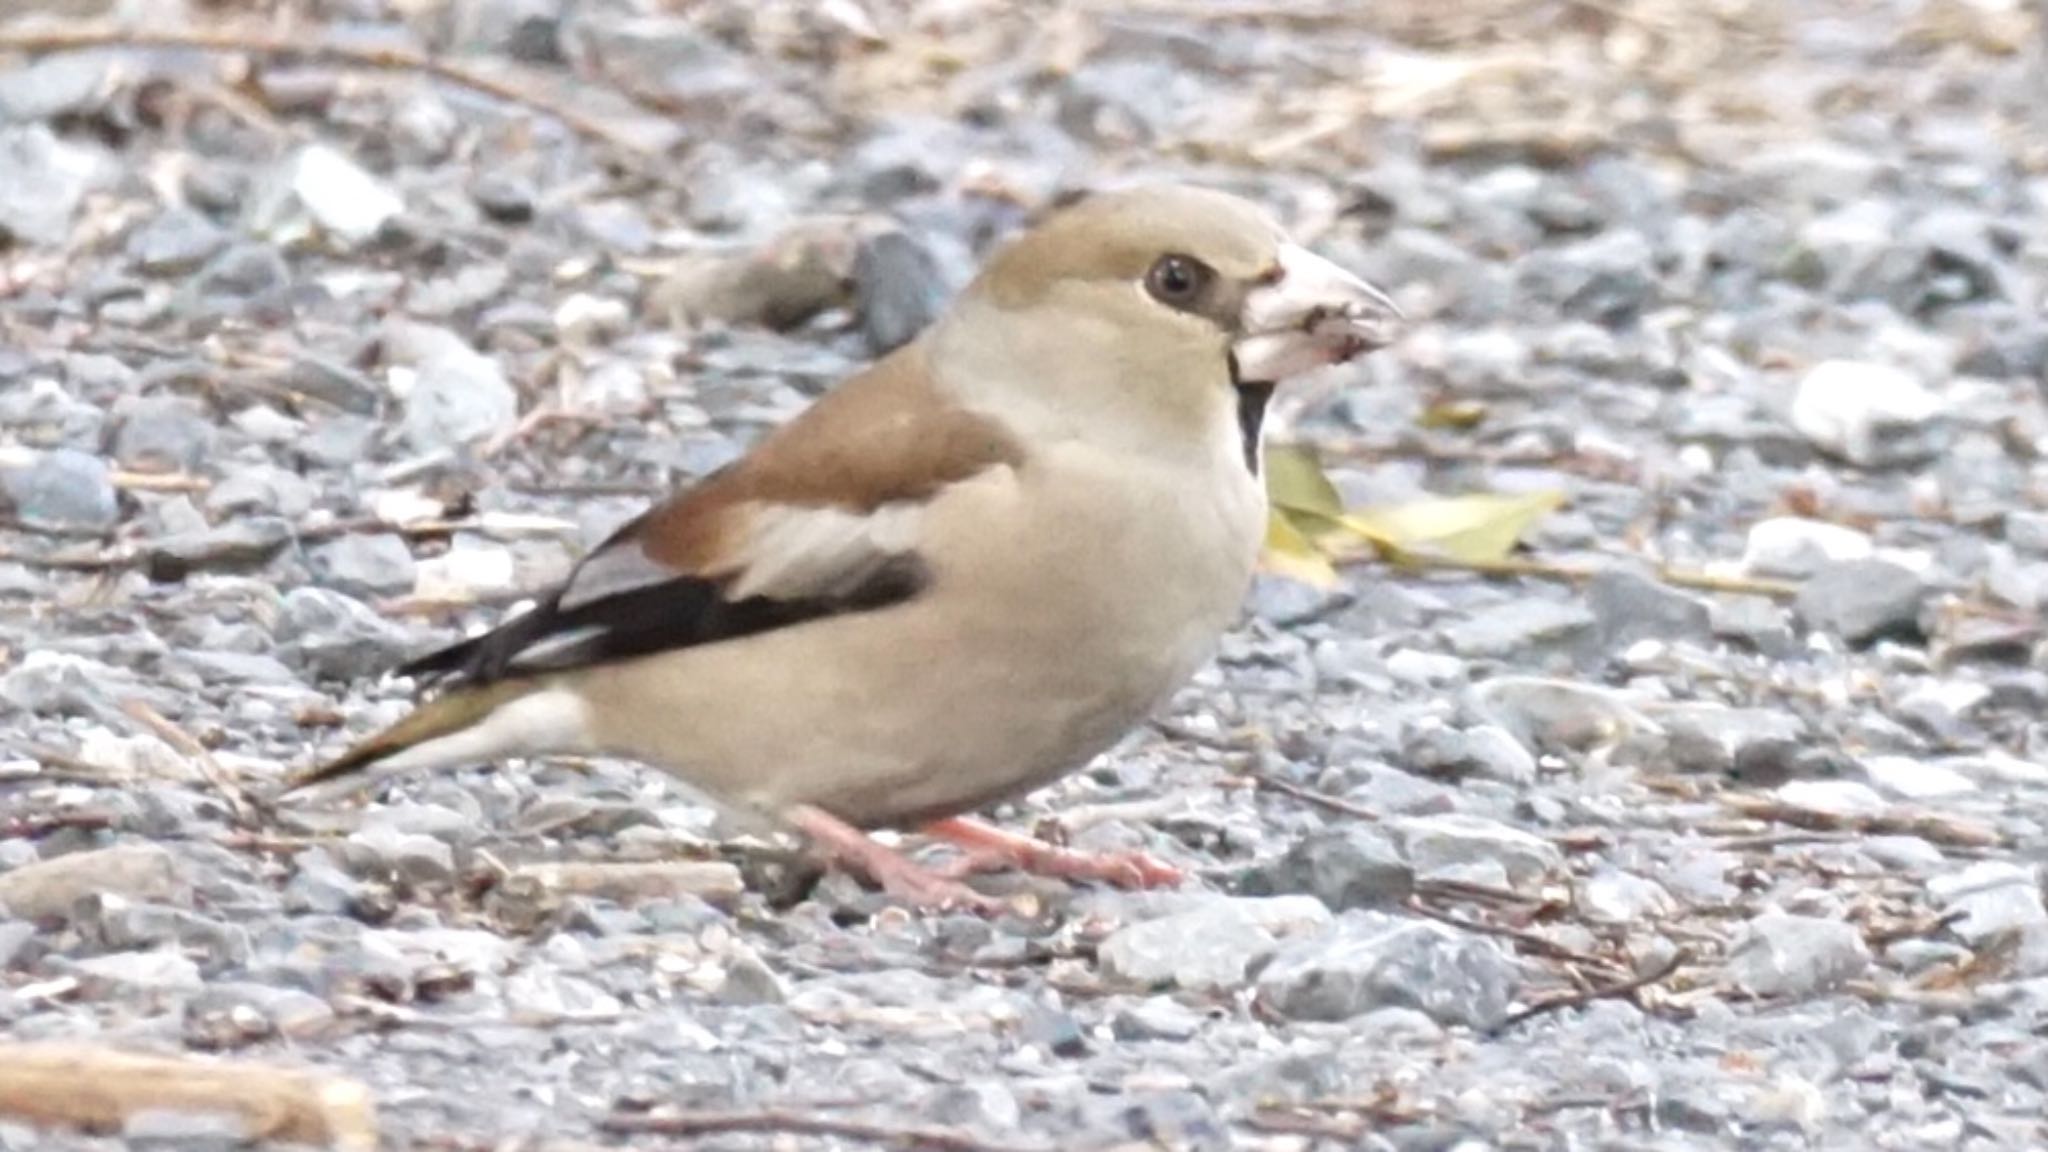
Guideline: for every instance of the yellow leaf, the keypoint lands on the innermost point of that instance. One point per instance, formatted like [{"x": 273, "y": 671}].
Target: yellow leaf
[
  {"x": 1295, "y": 481},
  {"x": 1475, "y": 529},
  {"x": 1455, "y": 414},
  {"x": 1291, "y": 553}
]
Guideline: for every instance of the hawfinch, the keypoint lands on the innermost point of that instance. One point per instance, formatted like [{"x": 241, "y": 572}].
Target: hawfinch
[{"x": 958, "y": 576}]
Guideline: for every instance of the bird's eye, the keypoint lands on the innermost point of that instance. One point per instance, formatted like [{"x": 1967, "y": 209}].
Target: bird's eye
[{"x": 1177, "y": 281}]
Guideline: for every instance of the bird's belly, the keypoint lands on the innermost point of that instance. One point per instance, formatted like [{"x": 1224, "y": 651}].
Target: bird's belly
[{"x": 1080, "y": 623}]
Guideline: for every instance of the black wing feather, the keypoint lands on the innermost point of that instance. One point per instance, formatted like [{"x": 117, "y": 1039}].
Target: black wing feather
[{"x": 680, "y": 613}]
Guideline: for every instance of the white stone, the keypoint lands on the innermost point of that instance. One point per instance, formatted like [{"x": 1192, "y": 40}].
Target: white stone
[
  {"x": 1915, "y": 779},
  {"x": 1865, "y": 412},
  {"x": 1832, "y": 797},
  {"x": 339, "y": 195},
  {"x": 1795, "y": 546}
]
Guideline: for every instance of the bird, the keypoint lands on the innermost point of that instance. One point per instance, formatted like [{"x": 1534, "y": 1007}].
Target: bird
[{"x": 959, "y": 575}]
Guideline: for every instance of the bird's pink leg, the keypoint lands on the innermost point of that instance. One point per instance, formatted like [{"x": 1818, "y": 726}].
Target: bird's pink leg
[
  {"x": 898, "y": 875},
  {"x": 990, "y": 848}
]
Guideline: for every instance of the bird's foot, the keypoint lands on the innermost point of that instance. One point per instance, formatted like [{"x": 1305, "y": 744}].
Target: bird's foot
[
  {"x": 991, "y": 849},
  {"x": 898, "y": 875}
]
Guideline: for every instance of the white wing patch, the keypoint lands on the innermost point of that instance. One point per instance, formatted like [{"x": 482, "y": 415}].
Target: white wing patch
[{"x": 799, "y": 553}]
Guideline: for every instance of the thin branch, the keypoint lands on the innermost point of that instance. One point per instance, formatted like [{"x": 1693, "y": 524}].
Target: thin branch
[
  {"x": 1311, "y": 796},
  {"x": 782, "y": 1121},
  {"x": 39, "y": 824},
  {"x": 1580, "y": 573},
  {"x": 1948, "y": 831},
  {"x": 1629, "y": 987},
  {"x": 187, "y": 745},
  {"x": 1535, "y": 942},
  {"x": 376, "y": 58}
]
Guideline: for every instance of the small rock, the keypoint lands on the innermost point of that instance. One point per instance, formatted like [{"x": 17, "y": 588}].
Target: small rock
[
  {"x": 1517, "y": 627},
  {"x": 177, "y": 241},
  {"x": 1872, "y": 415},
  {"x": 320, "y": 187},
  {"x": 1558, "y": 715},
  {"x": 505, "y": 198},
  {"x": 1780, "y": 955},
  {"x": 549, "y": 995},
  {"x": 1487, "y": 751},
  {"x": 1153, "y": 1018},
  {"x": 161, "y": 971},
  {"x": 1832, "y": 798},
  {"x": 363, "y": 564},
  {"x": 898, "y": 289},
  {"x": 1795, "y": 547},
  {"x": 1369, "y": 961},
  {"x": 382, "y": 851},
  {"x": 1346, "y": 866},
  {"x": 1208, "y": 947},
  {"x": 456, "y": 394},
  {"x": 1628, "y": 606},
  {"x": 48, "y": 889},
  {"x": 48, "y": 179},
  {"x": 1862, "y": 600},
  {"x": 1994, "y": 896},
  {"x": 1912, "y": 779},
  {"x": 336, "y": 637},
  {"x": 1760, "y": 623},
  {"x": 1440, "y": 844},
  {"x": 1611, "y": 896},
  {"x": 63, "y": 487},
  {"x": 240, "y": 544}
]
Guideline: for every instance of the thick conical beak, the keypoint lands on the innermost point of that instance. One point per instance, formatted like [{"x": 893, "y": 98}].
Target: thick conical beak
[{"x": 1310, "y": 315}]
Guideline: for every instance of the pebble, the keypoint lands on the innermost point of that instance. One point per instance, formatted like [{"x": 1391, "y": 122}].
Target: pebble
[
  {"x": 1993, "y": 896},
  {"x": 1781, "y": 955},
  {"x": 1517, "y": 627},
  {"x": 1790, "y": 546},
  {"x": 1872, "y": 415},
  {"x": 52, "y": 177},
  {"x": 63, "y": 487},
  {"x": 1343, "y": 867},
  {"x": 1210, "y": 946},
  {"x": 322, "y": 188},
  {"x": 49, "y": 889},
  {"x": 1451, "y": 843},
  {"x": 1612, "y": 896},
  {"x": 1367, "y": 961},
  {"x": 363, "y": 564},
  {"x": 1862, "y": 601},
  {"x": 1628, "y": 606},
  {"x": 455, "y": 395}
]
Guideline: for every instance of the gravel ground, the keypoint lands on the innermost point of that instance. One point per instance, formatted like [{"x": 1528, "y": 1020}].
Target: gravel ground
[{"x": 1721, "y": 827}]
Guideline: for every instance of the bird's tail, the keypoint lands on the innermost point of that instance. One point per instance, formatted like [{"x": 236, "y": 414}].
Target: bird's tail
[{"x": 465, "y": 725}]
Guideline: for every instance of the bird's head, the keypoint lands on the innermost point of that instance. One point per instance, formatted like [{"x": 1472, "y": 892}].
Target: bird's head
[{"x": 1142, "y": 317}]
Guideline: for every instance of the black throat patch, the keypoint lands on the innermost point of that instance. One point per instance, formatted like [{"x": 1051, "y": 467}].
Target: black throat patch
[{"x": 1251, "y": 414}]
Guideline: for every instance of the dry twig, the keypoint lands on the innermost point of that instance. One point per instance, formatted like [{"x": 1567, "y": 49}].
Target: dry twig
[
  {"x": 1580, "y": 999},
  {"x": 377, "y": 58},
  {"x": 98, "y": 1089},
  {"x": 783, "y": 1121},
  {"x": 1933, "y": 827},
  {"x": 186, "y": 745},
  {"x": 1310, "y": 796}
]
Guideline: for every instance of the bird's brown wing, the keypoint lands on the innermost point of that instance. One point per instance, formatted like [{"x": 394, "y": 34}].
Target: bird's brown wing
[{"x": 821, "y": 518}]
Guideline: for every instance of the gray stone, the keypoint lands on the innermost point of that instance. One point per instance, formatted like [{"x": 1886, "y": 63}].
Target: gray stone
[
  {"x": 1517, "y": 628},
  {"x": 382, "y": 851},
  {"x": 321, "y": 188},
  {"x": 1780, "y": 955},
  {"x": 1862, "y": 600},
  {"x": 458, "y": 395},
  {"x": 1210, "y": 946},
  {"x": 363, "y": 564},
  {"x": 1558, "y": 715},
  {"x": 1347, "y": 866},
  {"x": 1153, "y": 1018},
  {"x": 240, "y": 544},
  {"x": 1762, "y": 624},
  {"x": 899, "y": 290},
  {"x": 47, "y": 180},
  {"x": 1486, "y": 751},
  {"x": 1994, "y": 897},
  {"x": 1368, "y": 961},
  {"x": 156, "y": 971},
  {"x": 1628, "y": 606},
  {"x": 1443, "y": 844},
  {"x": 333, "y": 636},
  {"x": 1609, "y": 278},
  {"x": 63, "y": 487},
  {"x": 1795, "y": 547},
  {"x": 242, "y": 271},
  {"x": 49, "y": 889},
  {"x": 178, "y": 240},
  {"x": 1873, "y": 415},
  {"x": 1612, "y": 896}
]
